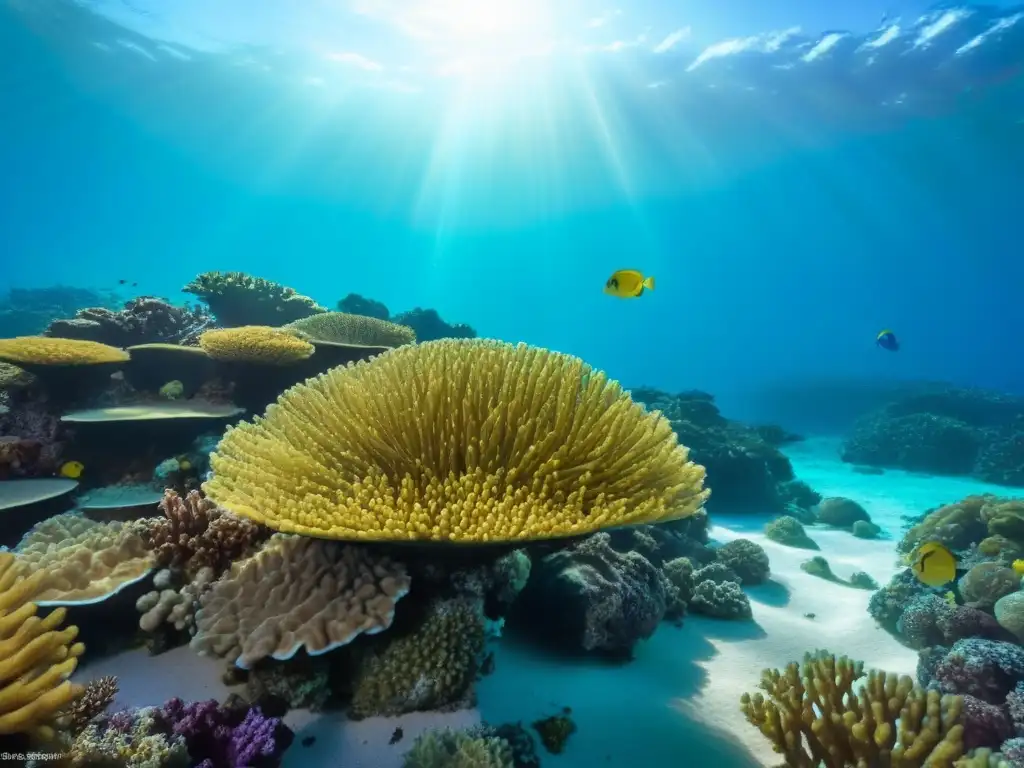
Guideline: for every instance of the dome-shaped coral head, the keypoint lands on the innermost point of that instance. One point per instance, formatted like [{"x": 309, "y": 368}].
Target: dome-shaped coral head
[{"x": 456, "y": 440}]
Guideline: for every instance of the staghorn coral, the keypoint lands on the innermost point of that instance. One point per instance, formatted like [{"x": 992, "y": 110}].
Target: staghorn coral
[
  {"x": 87, "y": 561},
  {"x": 297, "y": 593},
  {"x": 255, "y": 344},
  {"x": 341, "y": 328},
  {"x": 431, "y": 669},
  {"x": 36, "y": 658},
  {"x": 455, "y": 441},
  {"x": 195, "y": 533},
  {"x": 473, "y": 748},
  {"x": 46, "y": 351},
  {"x": 813, "y": 717},
  {"x": 93, "y": 702},
  {"x": 236, "y": 298}
]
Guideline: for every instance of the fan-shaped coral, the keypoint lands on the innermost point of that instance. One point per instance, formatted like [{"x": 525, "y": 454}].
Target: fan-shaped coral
[
  {"x": 36, "y": 658},
  {"x": 86, "y": 561},
  {"x": 44, "y": 351},
  {"x": 456, "y": 441},
  {"x": 343, "y": 328},
  {"x": 255, "y": 344},
  {"x": 297, "y": 593}
]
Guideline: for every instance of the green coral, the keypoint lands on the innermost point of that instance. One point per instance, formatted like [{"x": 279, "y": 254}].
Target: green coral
[
  {"x": 986, "y": 583},
  {"x": 555, "y": 731},
  {"x": 841, "y": 512},
  {"x": 818, "y": 566},
  {"x": 236, "y": 299},
  {"x": 472, "y": 748},
  {"x": 865, "y": 529},
  {"x": 747, "y": 559},
  {"x": 788, "y": 531},
  {"x": 1004, "y": 517},
  {"x": 862, "y": 580},
  {"x": 141, "y": 747},
  {"x": 431, "y": 669},
  {"x": 956, "y": 525},
  {"x": 342, "y": 328},
  {"x": 303, "y": 682}
]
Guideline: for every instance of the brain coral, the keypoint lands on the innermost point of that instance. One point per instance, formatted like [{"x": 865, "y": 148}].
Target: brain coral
[
  {"x": 297, "y": 593},
  {"x": 456, "y": 440},
  {"x": 86, "y": 561},
  {"x": 255, "y": 344},
  {"x": 343, "y": 328}
]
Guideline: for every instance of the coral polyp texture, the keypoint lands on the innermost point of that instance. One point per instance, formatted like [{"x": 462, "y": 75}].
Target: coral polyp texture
[
  {"x": 814, "y": 717},
  {"x": 456, "y": 440},
  {"x": 255, "y": 344},
  {"x": 46, "y": 351},
  {"x": 343, "y": 328},
  {"x": 85, "y": 561},
  {"x": 297, "y": 593},
  {"x": 36, "y": 657}
]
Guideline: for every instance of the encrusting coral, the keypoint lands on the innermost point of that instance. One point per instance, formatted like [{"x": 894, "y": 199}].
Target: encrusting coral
[
  {"x": 815, "y": 718},
  {"x": 87, "y": 561},
  {"x": 255, "y": 344},
  {"x": 36, "y": 657},
  {"x": 431, "y": 669},
  {"x": 343, "y": 328},
  {"x": 296, "y": 593},
  {"x": 46, "y": 351},
  {"x": 195, "y": 533},
  {"x": 461, "y": 441}
]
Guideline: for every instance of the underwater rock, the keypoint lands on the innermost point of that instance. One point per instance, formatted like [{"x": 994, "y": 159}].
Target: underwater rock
[
  {"x": 591, "y": 597},
  {"x": 360, "y": 305},
  {"x": 863, "y": 529},
  {"x": 429, "y": 326},
  {"x": 143, "y": 320},
  {"x": 841, "y": 512}
]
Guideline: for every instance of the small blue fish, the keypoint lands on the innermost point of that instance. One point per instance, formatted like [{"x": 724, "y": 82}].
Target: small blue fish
[{"x": 887, "y": 340}]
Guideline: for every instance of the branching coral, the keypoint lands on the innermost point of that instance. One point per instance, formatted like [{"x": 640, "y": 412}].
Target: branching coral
[
  {"x": 255, "y": 344},
  {"x": 342, "y": 328},
  {"x": 459, "y": 749},
  {"x": 456, "y": 441},
  {"x": 298, "y": 593},
  {"x": 45, "y": 351},
  {"x": 36, "y": 657},
  {"x": 236, "y": 298},
  {"x": 87, "y": 561},
  {"x": 97, "y": 696},
  {"x": 433, "y": 668},
  {"x": 814, "y": 717},
  {"x": 195, "y": 533}
]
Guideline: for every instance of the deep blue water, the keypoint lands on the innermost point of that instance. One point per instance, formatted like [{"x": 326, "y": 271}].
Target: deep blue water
[{"x": 793, "y": 192}]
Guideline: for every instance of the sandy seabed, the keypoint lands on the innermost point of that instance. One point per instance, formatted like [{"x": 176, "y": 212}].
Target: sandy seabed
[{"x": 677, "y": 702}]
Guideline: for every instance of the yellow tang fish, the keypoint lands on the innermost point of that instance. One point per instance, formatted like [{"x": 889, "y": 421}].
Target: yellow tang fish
[
  {"x": 933, "y": 564},
  {"x": 628, "y": 284},
  {"x": 71, "y": 469},
  {"x": 1018, "y": 567}
]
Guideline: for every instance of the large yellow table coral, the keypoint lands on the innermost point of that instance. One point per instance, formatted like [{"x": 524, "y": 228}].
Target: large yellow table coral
[
  {"x": 36, "y": 657},
  {"x": 815, "y": 718},
  {"x": 456, "y": 440}
]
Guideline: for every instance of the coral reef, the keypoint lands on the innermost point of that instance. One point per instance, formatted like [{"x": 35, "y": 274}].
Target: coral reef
[
  {"x": 354, "y": 304},
  {"x": 432, "y": 668},
  {"x": 429, "y": 326},
  {"x": 945, "y": 430},
  {"x": 342, "y": 328},
  {"x": 219, "y": 736},
  {"x": 255, "y": 344},
  {"x": 96, "y": 697},
  {"x": 42, "y": 351},
  {"x": 297, "y": 593},
  {"x": 176, "y": 607},
  {"x": 441, "y": 462},
  {"x": 474, "y": 748},
  {"x": 143, "y": 320},
  {"x": 236, "y": 298},
  {"x": 723, "y": 600},
  {"x": 86, "y": 561},
  {"x": 27, "y": 311},
  {"x": 788, "y": 530},
  {"x": 195, "y": 533},
  {"x": 36, "y": 657},
  {"x": 744, "y": 471},
  {"x": 594, "y": 598},
  {"x": 814, "y": 717},
  {"x": 132, "y": 739},
  {"x": 747, "y": 559}
]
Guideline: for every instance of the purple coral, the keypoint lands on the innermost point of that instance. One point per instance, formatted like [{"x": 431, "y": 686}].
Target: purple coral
[
  {"x": 987, "y": 669},
  {"x": 220, "y": 737},
  {"x": 985, "y": 724}
]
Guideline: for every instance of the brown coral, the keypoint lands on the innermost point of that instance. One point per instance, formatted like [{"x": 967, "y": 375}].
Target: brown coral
[
  {"x": 459, "y": 441},
  {"x": 96, "y": 697},
  {"x": 195, "y": 533},
  {"x": 255, "y": 344},
  {"x": 298, "y": 593},
  {"x": 814, "y": 717},
  {"x": 86, "y": 561},
  {"x": 45, "y": 351},
  {"x": 36, "y": 657}
]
